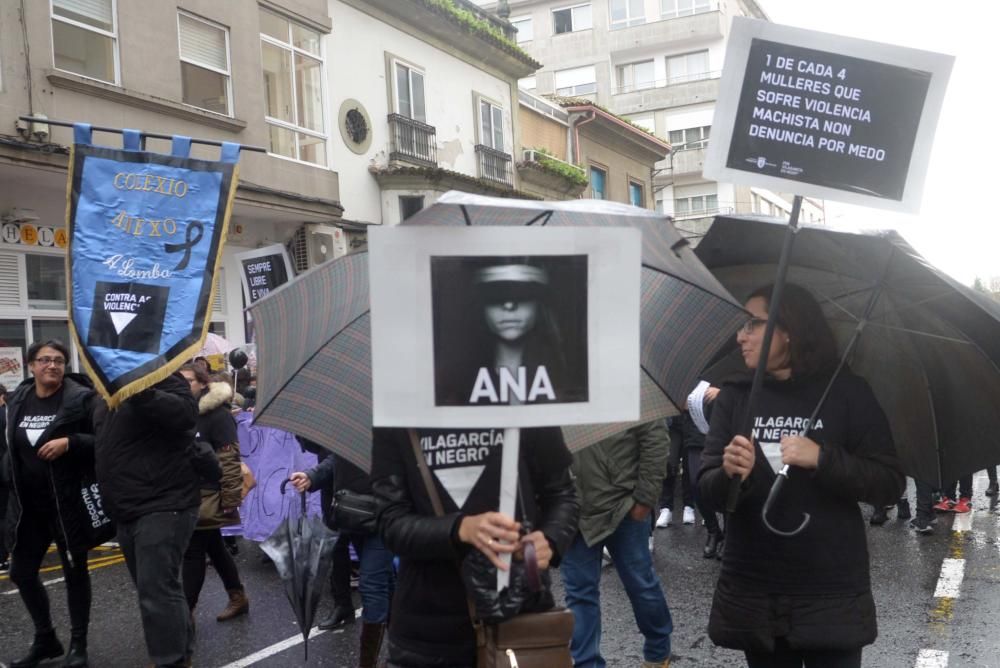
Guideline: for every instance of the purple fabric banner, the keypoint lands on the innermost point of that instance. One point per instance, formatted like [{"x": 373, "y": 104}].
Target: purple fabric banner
[{"x": 272, "y": 455}]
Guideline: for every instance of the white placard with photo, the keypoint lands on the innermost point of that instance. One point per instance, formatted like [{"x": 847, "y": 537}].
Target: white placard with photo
[
  {"x": 504, "y": 327},
  {"x": 11, "y": 367}
]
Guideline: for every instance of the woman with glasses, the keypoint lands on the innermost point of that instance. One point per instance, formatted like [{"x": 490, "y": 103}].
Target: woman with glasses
[
  {"x": 803, "y": 599},
  {"x": 51, "y": 441}
]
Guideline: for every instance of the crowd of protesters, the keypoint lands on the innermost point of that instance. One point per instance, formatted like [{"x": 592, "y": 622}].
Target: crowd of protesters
[{"x": 167, "y": 462}]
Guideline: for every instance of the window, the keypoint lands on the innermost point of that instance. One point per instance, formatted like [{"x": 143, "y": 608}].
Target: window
[
  {"x": 571, "y": 19},
  {"x": 696, "y": 205},
  {"x": 46, "y": 276},
  {"x": 409, "y": 205},
  {"x": 410, "y": 93},
  {"x": 293, "y": 88},
  {"x": 525, "y": 29},
  {"x": 85, "y": 38},
  {"x": 577, "y": 81},
  {"x": 205, "y": 75},
  {"x": 687, "y": 67},
  {"x": 645, "y": 121},
  {"x": 598, "y": 181},
  {"x": 527, "y": 83},
  {"x": 490, "y": 125},
  {"x": 673, "y": 8},
  {"x": 688, "y": 138},
  {"x": 625, "y": 13},
  {"x": 636, "y": 76},
  {"x": 636, "y": 196}
]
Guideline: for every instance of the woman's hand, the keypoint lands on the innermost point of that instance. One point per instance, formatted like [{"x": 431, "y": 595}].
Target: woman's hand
[
  {"x": 492, "y": 534},
  {"x": 54, "y": 449},
  {"x": 711, "y": 393},
  {"x": 300, "y": 481},
  {"x": 800, "y": 451},
  {"x": 738, "y": 457},
  {"x": 543, "y": 551},
  {"x": 639, "y": 512}
]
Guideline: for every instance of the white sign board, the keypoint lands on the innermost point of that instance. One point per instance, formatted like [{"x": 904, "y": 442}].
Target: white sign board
[
  {"x": 11, "y": 367},
  {"x": 504, "y": 326},
  {"x": 263, "y": 270},
  {"x": 826, "y": 116}
]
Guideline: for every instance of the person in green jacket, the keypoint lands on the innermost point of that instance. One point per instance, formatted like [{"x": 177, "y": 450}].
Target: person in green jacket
[{"x": 619, "y": 481}]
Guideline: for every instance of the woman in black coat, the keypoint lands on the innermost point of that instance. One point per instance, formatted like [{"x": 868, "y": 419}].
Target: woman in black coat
[
  {"x": 806, "y": 599},
  {"x": 50, "y": 435}
]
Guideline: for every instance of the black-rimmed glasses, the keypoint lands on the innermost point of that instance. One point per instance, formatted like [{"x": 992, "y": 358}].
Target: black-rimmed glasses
[{"x": 750, "y": 326}]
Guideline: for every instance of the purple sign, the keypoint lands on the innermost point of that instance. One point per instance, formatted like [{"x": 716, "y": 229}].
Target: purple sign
[{"x": 272, "y": 455}]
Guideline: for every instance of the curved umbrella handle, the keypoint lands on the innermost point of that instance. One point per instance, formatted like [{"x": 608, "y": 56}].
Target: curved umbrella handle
[
  {"x": 779, "y": 482},
  {"x": 284, "y": 483}
]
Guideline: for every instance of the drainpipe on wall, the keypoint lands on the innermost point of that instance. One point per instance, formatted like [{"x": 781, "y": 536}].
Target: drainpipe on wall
[{"x": 576, "y": 135}]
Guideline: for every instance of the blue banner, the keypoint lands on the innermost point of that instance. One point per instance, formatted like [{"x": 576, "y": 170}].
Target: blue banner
[{"x": 146, "y": 232}]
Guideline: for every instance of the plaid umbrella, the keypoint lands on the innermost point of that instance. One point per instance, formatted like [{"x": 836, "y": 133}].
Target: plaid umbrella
[{"x": 319, "y": 375}]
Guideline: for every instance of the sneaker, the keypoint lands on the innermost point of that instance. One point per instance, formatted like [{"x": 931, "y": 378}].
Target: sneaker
[
  {"x": 964, "y": 505},
  {"x": 879, "y": 517},
  {"x": 945, "y": 505},
  {"x": 903, "y": 509},
  {"x": 921, "y": 525},
  {"x": 992, "y": 489},
  {"x": 4, "y": 565},
  {"x": 688, "y": 515},
  {"x": 665, "y": 518}
]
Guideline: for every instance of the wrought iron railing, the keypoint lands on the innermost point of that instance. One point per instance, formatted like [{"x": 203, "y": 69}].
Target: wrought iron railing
[
  {"x": 412, "y": 141},
  {"x": 494, "y": 165}
]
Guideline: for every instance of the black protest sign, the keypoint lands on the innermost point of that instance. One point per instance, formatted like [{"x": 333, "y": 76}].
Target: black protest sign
[
  {"x": 827, "y": 119},
  {"x": 826, "y": 116},
  {"x": 128, "y": 316},
  {"x": 263, "y": 270}
]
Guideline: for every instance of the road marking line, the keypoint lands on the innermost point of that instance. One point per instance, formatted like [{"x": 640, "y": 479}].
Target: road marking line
[
  {"x": 44, "y": 584},
  {"x": 931, "y": 658},
  {"x": 949, "y": 584},
  {"x": 280, "y": 647},
  {"x": 963, "y": 522}
]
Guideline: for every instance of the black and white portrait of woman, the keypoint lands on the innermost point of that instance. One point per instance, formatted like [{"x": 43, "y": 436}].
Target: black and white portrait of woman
[{"x": 509, "y": 330}]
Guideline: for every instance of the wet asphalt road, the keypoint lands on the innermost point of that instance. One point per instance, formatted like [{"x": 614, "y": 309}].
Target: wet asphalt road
[{"x": 905, "y": 572}]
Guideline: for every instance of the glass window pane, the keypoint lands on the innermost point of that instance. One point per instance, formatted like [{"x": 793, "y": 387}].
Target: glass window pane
[
  {"x": 582, "y": 18},
  {"x": 282, "y": 141},
  {"x": 527, "y": 83},
  {"x": 712, "y": 202},
  {"x": 48, "y": 330},
  {"x": 498, "y": 128},
  {"x": 635, "y": 194},
  {"x": 685, "y": 7},
  {"x": 644, "y": 74},
  {"x": 677, "y": 137},
  {"x": 204, "y": 88},
  {"x": 525, "y": 30},
  {"x": 83, "y": 51},
  {"x": 485, "y": 131},
  {"x": 312, "y": 149},
  {"x": 636, "y": 8},
  {"x": 417, "y": 82},
  {"x": 46, "y": 276},
  {"x": 563, "y": 21},
  {"x": 278, "y": 82},
  {"x": 682, "y": 207},
  {"x": 309, "y": 89},
  {"x": 403, "y": 91},
  {"x": 305, "y": 39},
  {"x": 95, "y": 13},
  {"x": 273, "y": 25},
  {"x": 618, "y": 11}
]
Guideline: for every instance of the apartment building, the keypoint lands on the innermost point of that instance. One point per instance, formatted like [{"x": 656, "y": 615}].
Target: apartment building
[{"x": 658, "y": 63}]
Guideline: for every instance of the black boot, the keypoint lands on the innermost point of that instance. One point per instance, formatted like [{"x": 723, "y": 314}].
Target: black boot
[
  {"x": 371, "y": 643},
  {"x": 992, "y": 489},
  {"x": 903, "y": 509},
  {"x": 712, "y": 544},
  {"x": 879, "y": 517},
  {"x": 340, "y": 615},
  {"x": 76, "y": 657},
  {"x": 45, "y": 646}
]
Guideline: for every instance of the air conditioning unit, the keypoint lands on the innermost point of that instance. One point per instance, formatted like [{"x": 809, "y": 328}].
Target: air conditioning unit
[{"x": 314, "y": 244}]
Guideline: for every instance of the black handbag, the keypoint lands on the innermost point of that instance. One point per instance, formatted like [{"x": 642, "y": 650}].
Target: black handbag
[{"x": 353, "y": 512}]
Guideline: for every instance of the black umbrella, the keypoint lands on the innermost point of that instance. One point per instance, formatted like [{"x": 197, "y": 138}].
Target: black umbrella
[
  {"x": 302, "y": 551},
  {"x": 928, "y": 345}
]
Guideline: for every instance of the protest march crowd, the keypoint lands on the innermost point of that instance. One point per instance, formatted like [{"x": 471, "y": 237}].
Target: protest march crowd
[{"x": 162, "y": 473}]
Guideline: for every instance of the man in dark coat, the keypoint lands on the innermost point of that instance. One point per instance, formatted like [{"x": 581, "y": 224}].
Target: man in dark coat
[{"x": 152, "y": 492}]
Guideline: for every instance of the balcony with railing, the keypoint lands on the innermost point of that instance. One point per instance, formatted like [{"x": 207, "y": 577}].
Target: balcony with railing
[
  {"x": 494, "y": 165},
  {"x": 668, "y": 29},
  {"x": 667, "y": 93},
  {"x": 688, "y": 158},
  {"x": 412, "y": 141}
]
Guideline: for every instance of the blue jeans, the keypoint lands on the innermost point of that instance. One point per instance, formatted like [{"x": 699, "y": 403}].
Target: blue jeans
[
  {"x": 581, "y": 574},
  {"x": 377, "y": 577}
]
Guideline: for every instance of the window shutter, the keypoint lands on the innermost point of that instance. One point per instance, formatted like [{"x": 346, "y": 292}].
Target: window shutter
[
  {"x": 11, "y": 288},
  {"x": 203, "y": 44},
  {"x": 219, "y": 303},
  {"x": 98, "y": 10}
]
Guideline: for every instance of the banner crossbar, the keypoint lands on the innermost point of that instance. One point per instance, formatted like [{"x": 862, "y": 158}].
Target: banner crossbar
[{"x": 143, "y": 134}]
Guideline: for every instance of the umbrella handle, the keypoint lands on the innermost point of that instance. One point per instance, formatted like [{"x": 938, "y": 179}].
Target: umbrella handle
[
  {"x": 284, "y": 483},
  {"x": 779, "y": 482}
]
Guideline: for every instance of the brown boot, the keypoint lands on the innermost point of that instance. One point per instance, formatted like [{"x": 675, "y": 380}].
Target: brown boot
[
  {"x": 239, "y": 604},
  {"x": 371, "y": 643}
]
